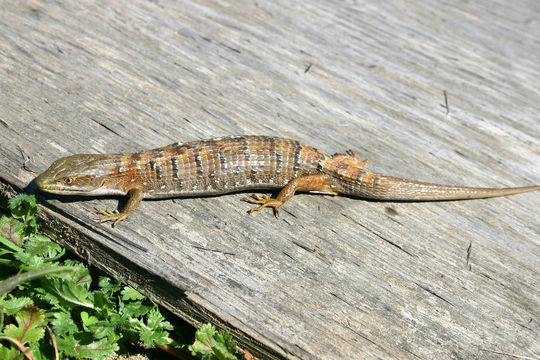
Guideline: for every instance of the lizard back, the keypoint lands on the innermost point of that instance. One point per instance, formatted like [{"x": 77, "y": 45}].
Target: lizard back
[{"x": 219, "y": 165}]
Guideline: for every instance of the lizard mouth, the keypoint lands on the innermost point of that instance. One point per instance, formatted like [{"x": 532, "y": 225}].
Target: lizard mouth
[
  {"x": 44, "y": 183},
  {"x": 40, "y": 182}
]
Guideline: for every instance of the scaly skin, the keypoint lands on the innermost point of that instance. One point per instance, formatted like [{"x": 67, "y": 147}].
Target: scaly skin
[{"x": 236, "y": 163}]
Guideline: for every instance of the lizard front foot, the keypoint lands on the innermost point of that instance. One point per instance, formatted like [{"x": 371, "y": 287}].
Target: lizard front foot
[
  {"x": 263, "y": 202},
  {"x": 112, "y": 215}
]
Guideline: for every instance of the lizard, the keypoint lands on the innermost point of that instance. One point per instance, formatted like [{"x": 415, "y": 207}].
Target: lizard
[{"x": 239, "y": 163}]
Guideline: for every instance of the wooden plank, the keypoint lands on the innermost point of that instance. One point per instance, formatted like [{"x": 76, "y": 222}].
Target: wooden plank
[{"x": 334, "y": 277}]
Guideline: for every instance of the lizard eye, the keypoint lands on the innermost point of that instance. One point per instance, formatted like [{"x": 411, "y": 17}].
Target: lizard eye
[{"x": 68, "y": 181}]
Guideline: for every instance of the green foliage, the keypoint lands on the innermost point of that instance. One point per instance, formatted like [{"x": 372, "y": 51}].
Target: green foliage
[{"x": 88, "y": 320}]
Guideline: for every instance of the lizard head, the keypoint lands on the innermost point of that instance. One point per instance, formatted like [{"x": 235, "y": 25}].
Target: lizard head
[{"x": 79, "y": 175}]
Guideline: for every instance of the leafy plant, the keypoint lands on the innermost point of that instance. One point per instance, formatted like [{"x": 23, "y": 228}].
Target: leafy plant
[
  {"x": 52, "y": 308},
  {"x": 87, "y": 320}
]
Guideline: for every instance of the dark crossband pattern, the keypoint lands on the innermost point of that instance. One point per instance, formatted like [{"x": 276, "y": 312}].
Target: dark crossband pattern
[{"x": 221, "y": 165}]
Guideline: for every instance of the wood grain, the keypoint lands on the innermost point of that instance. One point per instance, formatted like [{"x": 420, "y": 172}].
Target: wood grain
[{"x": 441, "y": 92}]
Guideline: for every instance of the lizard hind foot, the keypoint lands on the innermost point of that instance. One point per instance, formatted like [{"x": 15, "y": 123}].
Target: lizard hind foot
[
  {"x": 263, "y": 201},
  {"x": 111, "y": 215}
]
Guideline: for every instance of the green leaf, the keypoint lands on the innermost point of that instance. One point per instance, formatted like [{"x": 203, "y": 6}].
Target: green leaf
[
  {"x": 73, "y": 287},
  {"x": 29, "y": 321},
  {"x": 39, "y": 250},
  {"x": 211, "y": 345},
  {"x": 23, "y": 207},
  {"x": 102, "y": 303},
  {"x": 98, "y": 349},
  {"x": 41, "y": 245},
  {"x": 156, "y": 320},
  {"x": 63, "y": 323},
  {"x": 153, "y": 337},
  {"x": 129, "y": 293},
  {"x": 41, "y": 352},
  {"x": 101, "y": 329},
  {"x": 11, "y": 282},
  {"x": 29, "y": 261},
  {"x": 72, "y": 347},
  {"x": 109, "y": 286},
  {"x": 11, "y": 233},
  {"x": 70, "y": 292},
  {"x": 136, "y": 309},
  {"x": 88, "y": 320},
  {"x": 153, "y": 332},
  {"x": 203, "y": 340},
  {"x": 43, "y": 295},
  {"x": 67, "y": 344},
  {"x": 9, "y": 353},
  {"x": 13, "y": 304},
  {"x": 225, "y": 347}
]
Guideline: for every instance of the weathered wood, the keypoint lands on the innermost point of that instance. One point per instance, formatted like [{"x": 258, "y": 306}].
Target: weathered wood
[{"x": 430, "y": 91}]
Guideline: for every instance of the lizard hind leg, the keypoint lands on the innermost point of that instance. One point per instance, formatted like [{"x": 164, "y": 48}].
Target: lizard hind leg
[{"x": 316, "y": 183}]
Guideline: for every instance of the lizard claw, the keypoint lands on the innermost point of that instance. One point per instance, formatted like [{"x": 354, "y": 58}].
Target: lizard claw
[
  {"x": 111, "y": 215},
  {"x": 263, "y": 201}
]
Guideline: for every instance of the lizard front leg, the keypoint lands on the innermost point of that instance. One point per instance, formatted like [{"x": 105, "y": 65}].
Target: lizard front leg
[
  {"x": 135, "y": 197},
  {"x": 317, "y": 183}
]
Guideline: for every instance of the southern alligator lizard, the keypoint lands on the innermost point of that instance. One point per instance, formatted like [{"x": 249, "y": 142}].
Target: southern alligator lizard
[{"x": 238, "y": 163}]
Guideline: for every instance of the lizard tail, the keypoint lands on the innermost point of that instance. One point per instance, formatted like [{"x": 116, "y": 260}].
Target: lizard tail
[{"x": 376, "y": 186}]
